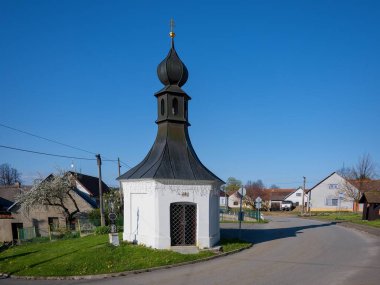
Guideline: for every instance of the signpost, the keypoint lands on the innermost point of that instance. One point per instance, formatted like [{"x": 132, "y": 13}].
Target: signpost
[
  {"x": 241, "y": 215},
  {"x": 113, "y": 235},
  {"x": 258, "y": 207}
]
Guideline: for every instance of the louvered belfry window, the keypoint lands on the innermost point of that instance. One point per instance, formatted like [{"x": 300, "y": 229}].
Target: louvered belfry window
[{"x": 183, "y": 224}]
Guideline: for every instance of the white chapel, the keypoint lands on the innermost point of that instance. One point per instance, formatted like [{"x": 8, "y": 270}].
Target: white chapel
[{"x": 170, "y": 198}]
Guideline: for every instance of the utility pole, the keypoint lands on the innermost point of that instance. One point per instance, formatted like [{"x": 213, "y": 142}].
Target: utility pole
[
  {"x": 309, "y": 202},
  {"x": 120, "y": 190},
  {"x": 241, "y": 212},
  {"x": 303, "y": 196},
  {"x": 99, "y": 162}
]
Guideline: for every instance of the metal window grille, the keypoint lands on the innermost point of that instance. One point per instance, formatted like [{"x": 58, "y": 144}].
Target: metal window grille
[{"x": 183, "y": 224}]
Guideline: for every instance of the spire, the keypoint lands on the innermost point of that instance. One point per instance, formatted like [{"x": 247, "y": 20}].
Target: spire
[
  {"x": 172, "y": 71},
  {"x": 172, "y": 155},
  {"x": 172, "y": 34}
]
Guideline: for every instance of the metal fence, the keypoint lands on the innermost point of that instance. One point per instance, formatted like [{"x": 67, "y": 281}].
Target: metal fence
[
  {"x": 24, "y": 234},
  {"x": 233, "y": 215}
]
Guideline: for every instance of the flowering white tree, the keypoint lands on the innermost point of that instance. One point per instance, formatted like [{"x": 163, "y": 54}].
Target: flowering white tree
[{"x": 55, "y": 190}]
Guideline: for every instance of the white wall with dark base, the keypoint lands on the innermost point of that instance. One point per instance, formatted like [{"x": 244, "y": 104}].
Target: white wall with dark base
[{"x": 147, "y": 210}]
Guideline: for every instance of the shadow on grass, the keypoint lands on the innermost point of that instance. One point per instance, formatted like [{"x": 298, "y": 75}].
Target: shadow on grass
[
  {"x": 263, "y": 235},
  {"x": 18, "y": 255},
  {"x": 55, "y": 257}
]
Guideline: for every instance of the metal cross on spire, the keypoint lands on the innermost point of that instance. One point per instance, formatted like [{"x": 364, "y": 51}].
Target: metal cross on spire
[{"x": 172, "y": 25}]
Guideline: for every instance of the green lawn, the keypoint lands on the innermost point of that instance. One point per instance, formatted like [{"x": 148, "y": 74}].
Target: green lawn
[
  {"x": 345, "y": 216},
  {"x": 92, "y": 255}
]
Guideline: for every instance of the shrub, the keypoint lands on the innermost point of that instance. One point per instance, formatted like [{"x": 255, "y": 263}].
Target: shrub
[
  {"x": 40, "y": 239},
  {"x": 102, "y": 230},
  {"x": 69, "y": 235}
]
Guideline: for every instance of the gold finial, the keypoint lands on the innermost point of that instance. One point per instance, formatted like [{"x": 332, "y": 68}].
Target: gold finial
[{"x": 172, "y": 25}]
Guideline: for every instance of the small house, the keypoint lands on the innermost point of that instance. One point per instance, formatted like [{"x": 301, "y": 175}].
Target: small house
[
  {"x": 329, "y": 194},
  {"x": 86, "y": 196}
]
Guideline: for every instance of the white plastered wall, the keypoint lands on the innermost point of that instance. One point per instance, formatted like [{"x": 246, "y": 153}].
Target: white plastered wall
[
  {"x": 147, "y": 210},
  {"x": 325, "y": 191}
]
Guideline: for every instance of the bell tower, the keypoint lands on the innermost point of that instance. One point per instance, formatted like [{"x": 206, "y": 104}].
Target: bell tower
[
  {"x": 172, "y": 155},
  {"x": 172, "y": 101},
  {"x": 170, "y": 198}
]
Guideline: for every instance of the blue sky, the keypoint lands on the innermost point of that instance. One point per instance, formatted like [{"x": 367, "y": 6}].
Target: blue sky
[{"x": 280, "y": 89}]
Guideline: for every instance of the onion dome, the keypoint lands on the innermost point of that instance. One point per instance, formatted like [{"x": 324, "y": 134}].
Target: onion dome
[{"x": 172, "y": 71}]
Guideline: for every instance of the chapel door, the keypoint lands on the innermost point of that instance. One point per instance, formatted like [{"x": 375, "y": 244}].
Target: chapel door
[{"x": 183, "y": 224}]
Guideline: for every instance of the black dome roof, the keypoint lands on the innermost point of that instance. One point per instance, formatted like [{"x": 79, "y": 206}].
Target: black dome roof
[{"x": 172, "y": 71}]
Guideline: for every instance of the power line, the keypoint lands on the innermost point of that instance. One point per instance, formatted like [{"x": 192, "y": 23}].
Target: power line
[
  {"x": 46, "y": 139},
  {"x": 57, "y": 142},
  {"x": 45, "y": 153},
  {"x": 56, "y": 155}
]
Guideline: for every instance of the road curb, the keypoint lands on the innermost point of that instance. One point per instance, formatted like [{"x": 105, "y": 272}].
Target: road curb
[
  {"x": 124, "y": 273},
  {"x": 359, "y": 227}
]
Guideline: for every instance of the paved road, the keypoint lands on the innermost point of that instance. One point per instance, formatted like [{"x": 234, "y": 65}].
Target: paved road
[{"x": 286, "y": 251}]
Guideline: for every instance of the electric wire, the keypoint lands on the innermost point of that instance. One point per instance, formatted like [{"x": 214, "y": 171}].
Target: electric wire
[
  {"x": 57, "y": 142},
  {"x": 45, "y": 153},
  {"x": 46, "y": 139}
]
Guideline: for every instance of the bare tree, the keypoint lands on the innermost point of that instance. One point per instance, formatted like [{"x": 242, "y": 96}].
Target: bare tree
[
  {"x": 256, "y": 189},
  {"x": 55, "y": 191},
  {"x": 356, "y": 178},
  {"x": 365, "y": 168},
  {"x": 9, "y": 175}
]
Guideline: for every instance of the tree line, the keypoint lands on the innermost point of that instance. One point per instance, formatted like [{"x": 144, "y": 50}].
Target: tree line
[{"x": 9, "y": 175}]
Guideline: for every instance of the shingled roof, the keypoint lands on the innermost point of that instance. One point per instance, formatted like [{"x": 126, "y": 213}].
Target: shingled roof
[
  {"x": 366, "y": 185},
  {"x": 280, "y": 194},
  {"x": 172, "y": 155},
  {"x": 91, "y": 183},
  {"x": 8, "y": 195},
  {"x": 372, "y": 197}
]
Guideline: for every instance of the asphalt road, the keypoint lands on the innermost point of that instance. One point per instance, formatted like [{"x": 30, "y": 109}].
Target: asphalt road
[{"x": 286, "y": 251}]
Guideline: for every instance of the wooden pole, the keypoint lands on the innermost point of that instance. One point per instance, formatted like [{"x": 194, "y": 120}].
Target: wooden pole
[
  {"x": 303, "y": 196},
  {"x": 99, "y": 162},
  {"x": 120, "y": 188}
]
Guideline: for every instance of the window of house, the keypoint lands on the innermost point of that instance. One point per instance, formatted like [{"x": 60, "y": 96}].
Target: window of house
[
  {"x": 53, "y": 222},
  {"x": 236, "y": 203},
  {"x": 333, "y": 186},
  {"x": 332, "y": 201},
  {"x": 298, "y": 194},
  {"x": 162, "y": 107},
  {"x": 175, "y": 106}
]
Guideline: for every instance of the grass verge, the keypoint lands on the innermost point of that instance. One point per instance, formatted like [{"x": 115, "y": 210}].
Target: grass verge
[
  {"x": 93, "y": 255},
  {"x": 347, "y": 217}
]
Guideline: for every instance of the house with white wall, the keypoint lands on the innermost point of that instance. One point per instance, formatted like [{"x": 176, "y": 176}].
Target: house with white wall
[
  {"x": 235, "y": 198},
  {"x": 296, "y": 197},
  {"x": 223, "y": 199},
  {"x": 328, "y": 195},
  {"x": 277, "y": 196}
]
